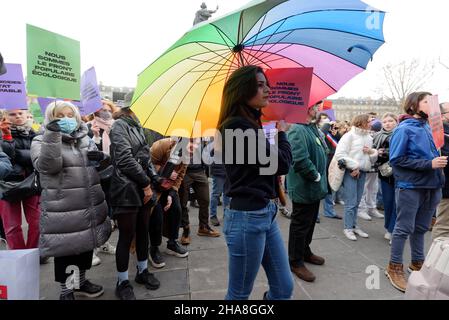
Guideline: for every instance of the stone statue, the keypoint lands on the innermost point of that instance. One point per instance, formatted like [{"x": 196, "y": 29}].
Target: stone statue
[{"x": 203, "y": 14}]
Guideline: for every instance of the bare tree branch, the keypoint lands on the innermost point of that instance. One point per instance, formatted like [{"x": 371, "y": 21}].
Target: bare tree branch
[{"x": 404, "y": 78}]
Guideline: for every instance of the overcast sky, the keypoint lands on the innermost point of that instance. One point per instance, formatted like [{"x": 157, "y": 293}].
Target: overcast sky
[{"x": 121, "y": 38}]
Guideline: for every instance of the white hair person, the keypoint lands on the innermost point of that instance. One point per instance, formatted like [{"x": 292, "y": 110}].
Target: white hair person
[{"x": 55, "y": 107}]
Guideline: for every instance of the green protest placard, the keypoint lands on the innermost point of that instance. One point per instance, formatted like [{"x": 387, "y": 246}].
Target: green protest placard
[{"x": 53, "y": 64}]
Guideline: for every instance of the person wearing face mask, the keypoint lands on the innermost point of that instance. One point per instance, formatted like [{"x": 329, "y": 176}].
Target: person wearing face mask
[
  {"x": 100, "y": 126},
  {"x": 418, "y": 173},
  {"x": 74, "y": 217},
  {"x": 99, "y": 130},
  {"x": 17, "y": 138}
]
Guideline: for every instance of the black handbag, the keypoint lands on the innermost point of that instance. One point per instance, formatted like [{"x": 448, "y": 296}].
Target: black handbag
[{"x": 15, "y": 191}]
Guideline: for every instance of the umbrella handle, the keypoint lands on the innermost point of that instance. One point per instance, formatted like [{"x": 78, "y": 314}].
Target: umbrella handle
[{"x": 361, "y": 47}]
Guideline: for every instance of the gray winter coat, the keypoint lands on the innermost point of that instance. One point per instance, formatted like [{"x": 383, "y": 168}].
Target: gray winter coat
[{"x": 74, "y": 211}]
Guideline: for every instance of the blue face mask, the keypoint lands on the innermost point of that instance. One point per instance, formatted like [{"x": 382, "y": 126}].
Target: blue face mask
[{"x": 68, "y": 125}]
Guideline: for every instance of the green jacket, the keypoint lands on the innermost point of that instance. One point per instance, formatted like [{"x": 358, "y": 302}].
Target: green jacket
[{"x": 309, "y": 159}]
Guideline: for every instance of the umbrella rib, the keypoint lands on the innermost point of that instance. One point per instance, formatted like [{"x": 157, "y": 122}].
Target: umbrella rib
[
  {"x": 219, "y": 31},
  {"x": 260, "y": 28},
  {"x": 219, "y": 55},
  {"x": 186, "y": 58},
  {"x": 326, "y": 29},
  {"x": 151, "y": 113},
  {"x": 255, "y": 59},
  {"x": 274, "y": 53},
  {"x": 202, "y": 99},
  {"x": 224, "y": 33},
  {"x": 321, "y": 49},
  {"x": 260, "y": 51},
  {"x": 187, "y": 92},
  {"x": 270, "y": 37},
  {"x": 202, "y": 61},
  {"x": 323, "y": 10}
]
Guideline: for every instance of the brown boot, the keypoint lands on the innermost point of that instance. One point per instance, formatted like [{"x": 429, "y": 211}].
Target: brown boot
[
  {"x": 314, "y": 259},
  {"x": 185, "y": 238},
  {"x": 303, "y": 273},
  {"x": 395, "y": 273},
  {"x": 206, "y": 231},
  {"x": 415, "y": 266}
]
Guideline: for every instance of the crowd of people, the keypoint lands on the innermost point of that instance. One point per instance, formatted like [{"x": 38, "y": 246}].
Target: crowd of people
[{"x": 106, "y": 172}]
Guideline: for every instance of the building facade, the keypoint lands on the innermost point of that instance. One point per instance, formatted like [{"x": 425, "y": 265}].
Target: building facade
[{"x": 347, "y": 108}]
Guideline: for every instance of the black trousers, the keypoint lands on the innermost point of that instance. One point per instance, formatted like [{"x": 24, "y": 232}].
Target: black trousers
[
  {"x": 132, "y": 221},
  {"x": 64, "y": 266},
  {"x": 165, "y": 223},
  {"x": 302, "y": 226},
  {"x": 198, "y": 181}
]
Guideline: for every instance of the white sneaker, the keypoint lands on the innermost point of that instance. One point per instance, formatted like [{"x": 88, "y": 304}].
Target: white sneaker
[
  {"x": 362, "y": 214},
  {"x": 375, "y": 214},
  {"x": 95, "y": 260},
  {"x": 350, "y": 234},
  {"x": 107, "y": 248},
  {"x": 387, "y": 236},
  {"x": 361, "y": 233}
]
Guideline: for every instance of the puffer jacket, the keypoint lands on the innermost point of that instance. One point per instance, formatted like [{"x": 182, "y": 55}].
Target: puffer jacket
[
  {"x": 412, "y": 150},
  {"x": 130, "y": 156},
  {"x": 350, "y": 148},
  {"x": 74, "y": 211},
  {"x": 18, "y": 151}
]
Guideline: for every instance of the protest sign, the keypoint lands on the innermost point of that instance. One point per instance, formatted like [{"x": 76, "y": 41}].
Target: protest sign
[
  {"x": 44, "y": 102},
  {"x": 436, "y": 121},
  {"x": 289, "y": 96},
  {"x": 53, "y": 64},
  {"x": 12, "y": 88},
  {"x": 90, "y": 93},
  {"x": 330, "y": 113}
]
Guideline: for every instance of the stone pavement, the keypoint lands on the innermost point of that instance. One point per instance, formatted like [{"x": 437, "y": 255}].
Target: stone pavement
[{"x": 203, "y": 274}]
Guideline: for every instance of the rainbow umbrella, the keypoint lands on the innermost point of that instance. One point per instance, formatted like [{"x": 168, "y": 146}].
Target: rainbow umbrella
[{"x": 180, "y": 93}]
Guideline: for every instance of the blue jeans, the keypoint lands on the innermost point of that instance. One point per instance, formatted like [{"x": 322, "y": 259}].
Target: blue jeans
[
  {"x": 254, "y": 238},
  {"x": 415, "y": 209},
  {"x": 388, "y": 193},
  {"x": 352, "y": 195},
  {"x": 217, "y": 190},
  {"x": 328, "y": 206}
]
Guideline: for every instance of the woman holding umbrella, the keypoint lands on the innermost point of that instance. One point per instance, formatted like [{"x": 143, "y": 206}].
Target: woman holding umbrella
[{"x": 252, "y": 233}]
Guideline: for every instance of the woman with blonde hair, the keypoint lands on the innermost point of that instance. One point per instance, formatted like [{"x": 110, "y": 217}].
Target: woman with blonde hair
[
  {"x": 74, "y": 211},
  {"x": 355, "y": 152}
]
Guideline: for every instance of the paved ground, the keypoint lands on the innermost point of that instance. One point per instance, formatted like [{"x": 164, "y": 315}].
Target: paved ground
[{"x": 203, "y": 275}]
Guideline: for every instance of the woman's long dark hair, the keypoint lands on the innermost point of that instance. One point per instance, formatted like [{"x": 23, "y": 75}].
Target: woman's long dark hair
[{"x": 240, "y": 88}]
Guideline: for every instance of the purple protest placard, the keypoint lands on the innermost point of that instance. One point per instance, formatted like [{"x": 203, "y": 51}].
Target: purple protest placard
[
  {"x": 12, "y": 88},
  {"x": 90, "y": 93},
  {"x": 44, "y": 102},
  {"x": 331, "y": 114}
]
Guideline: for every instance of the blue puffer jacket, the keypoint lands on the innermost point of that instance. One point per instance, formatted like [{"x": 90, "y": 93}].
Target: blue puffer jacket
[{"x": 411, "y": 153}]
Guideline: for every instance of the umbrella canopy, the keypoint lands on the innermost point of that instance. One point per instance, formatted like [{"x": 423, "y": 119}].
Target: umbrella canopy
[{"x": 182, "y": 89}]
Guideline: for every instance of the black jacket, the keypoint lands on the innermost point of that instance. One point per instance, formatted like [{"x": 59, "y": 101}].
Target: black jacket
[
  {"x": 248, "y": 189},
  {"x": 130, "y": 156},
  {"x": 445, "y": 152},
  {"x": 382, "y": 141},
  {"x": 18, "y": 151}
]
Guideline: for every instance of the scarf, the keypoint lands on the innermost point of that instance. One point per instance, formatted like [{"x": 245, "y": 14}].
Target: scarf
[
  {"x": 381, "y": 138},
  {"x": 22, "y": 130},
  {"x": 106, "y": 126}
]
